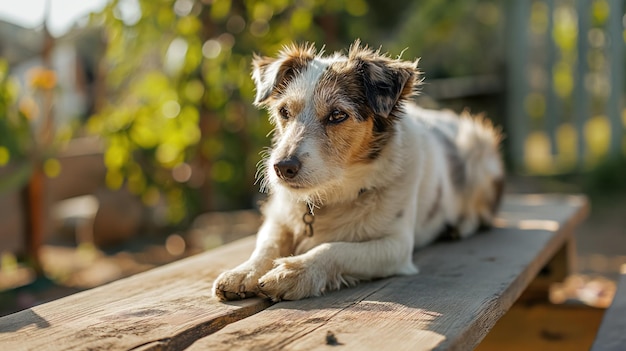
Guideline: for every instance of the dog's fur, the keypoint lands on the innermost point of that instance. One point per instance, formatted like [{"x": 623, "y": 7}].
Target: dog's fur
[{"x": 375, "y": 173}]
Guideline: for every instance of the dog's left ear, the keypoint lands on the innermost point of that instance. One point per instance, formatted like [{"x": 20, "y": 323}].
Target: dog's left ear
[{"x": 386, "y": 81}]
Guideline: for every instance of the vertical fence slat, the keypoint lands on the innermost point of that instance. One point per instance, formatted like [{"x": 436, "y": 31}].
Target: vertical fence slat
[
  {"x": 517, "y": 86},
  {"x": 552, "y": 116},
  {"x": 616, "y": 62},
  {"x": 581, "y": 97}
]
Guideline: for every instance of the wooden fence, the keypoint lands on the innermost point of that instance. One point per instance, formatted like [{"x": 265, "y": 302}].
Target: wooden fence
[{"x": 565, "y": 83}]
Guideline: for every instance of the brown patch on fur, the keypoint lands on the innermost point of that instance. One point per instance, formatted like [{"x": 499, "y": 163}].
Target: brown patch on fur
[
  {"x": 351, "y": 139},
  {"x": 364, "y": 148},
  {"x": 340, "y": 88},
  {"x": 492, "y": 204},
  {"x": 371, "y": 87},
  {"x": 498, "y": 185},
  {"x": 436, "y": 204}
]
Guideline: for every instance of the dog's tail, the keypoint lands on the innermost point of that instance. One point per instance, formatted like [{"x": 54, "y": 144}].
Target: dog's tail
[{"x": 478, "y": 143}]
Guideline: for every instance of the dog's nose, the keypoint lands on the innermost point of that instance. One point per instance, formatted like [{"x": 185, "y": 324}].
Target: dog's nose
[{"x": 287, "y": 168}]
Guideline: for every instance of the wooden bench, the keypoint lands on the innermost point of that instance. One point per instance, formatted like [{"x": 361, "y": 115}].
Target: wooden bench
[
  {"x": 463, "y": 288},
  {"x": 612, "y": 333}
]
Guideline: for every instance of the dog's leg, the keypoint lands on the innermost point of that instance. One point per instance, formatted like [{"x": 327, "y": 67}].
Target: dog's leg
[
  {"x": 330, "y": 265},
  {"x": 241, "y": 282}
]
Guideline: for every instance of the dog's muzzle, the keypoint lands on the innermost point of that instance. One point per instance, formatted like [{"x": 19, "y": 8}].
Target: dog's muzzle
[{"x": 287, "y": 168}]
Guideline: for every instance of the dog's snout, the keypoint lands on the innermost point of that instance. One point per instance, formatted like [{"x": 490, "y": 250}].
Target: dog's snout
[{"x": 287, "y": 168}]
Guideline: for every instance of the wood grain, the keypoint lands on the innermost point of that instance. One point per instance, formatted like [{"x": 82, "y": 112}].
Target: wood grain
[
  {"x": 164, "y": 309},
  {"x": 463, "y": 288},
  {"x": 612, "y": 333}
]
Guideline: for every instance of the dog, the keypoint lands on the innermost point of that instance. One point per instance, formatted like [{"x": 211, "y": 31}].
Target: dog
[{"x": 358, "y": 175}]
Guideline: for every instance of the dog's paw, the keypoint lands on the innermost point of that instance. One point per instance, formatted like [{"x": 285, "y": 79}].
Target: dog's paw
[
  {"x": 236, "y": 284},
  {"x": 292, "y": 278}
]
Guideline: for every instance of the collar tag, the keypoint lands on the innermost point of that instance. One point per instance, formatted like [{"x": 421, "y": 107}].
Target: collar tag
[{"x": 308, "y": 220}]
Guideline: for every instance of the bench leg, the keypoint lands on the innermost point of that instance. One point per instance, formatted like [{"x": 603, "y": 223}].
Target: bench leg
[{"x": 562, "y": 264}]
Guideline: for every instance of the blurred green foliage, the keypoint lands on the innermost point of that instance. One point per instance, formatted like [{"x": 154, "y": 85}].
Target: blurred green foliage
[
  {"x": 178, "y": 122},
  {"x": 453, "y": 38},
  {"x": 14, "y": 128},
  {"x": 177, "y": 116}
]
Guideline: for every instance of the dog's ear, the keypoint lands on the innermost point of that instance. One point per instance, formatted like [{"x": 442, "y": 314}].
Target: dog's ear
[
  {"x": 264, "y": 74},
  {"x": 271, "y": 75},
  {"x": 386, "y": 81}
]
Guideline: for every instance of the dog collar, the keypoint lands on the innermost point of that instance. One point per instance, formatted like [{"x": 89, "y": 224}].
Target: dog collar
[{"x": 309, "y": 218}]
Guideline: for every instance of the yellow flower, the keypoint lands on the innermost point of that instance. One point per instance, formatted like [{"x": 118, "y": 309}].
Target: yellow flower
[{"x": 41, "y": 78}]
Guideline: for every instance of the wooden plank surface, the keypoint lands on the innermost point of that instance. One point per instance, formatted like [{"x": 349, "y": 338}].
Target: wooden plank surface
[
  {"x": 463, "y": 288},
  {"x": 166, "y": 308},
  {"x": 612, "y": 333}
]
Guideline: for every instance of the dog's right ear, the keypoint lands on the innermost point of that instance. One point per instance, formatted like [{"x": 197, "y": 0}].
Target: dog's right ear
[
  {"x": 264, "y": 76},
  {"x": 271, "y": 75}
]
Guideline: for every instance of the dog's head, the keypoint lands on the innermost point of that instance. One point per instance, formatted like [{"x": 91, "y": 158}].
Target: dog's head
[{"x": 333, "y": 115}]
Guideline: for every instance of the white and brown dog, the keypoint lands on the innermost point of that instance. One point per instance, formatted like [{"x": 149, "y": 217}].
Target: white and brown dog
[{"x": 358, "y": 175}]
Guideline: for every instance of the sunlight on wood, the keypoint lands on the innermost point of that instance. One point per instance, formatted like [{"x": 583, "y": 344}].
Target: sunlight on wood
[
  {"x": 593, "y": 291},
  {"x": 500, "y": 222},
  {"x": 538, "y": 224},
  {"x": 534, "y": 199},
  {"x": 574, "y": 200}
]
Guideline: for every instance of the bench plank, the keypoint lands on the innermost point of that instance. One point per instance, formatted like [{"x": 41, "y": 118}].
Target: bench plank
[
  {"x": 168, "y": 307},
  {"x": 612, "y": 333},
  {"x": 462, "y": 290}
]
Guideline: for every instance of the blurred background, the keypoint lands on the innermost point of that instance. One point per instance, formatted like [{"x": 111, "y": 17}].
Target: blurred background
[{"x": 128, "y": 139}]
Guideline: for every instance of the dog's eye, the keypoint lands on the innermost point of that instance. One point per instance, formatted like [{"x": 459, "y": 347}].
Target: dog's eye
[
  {"x": 284, "y": 113},
  {"x": 337, "y": 116}
]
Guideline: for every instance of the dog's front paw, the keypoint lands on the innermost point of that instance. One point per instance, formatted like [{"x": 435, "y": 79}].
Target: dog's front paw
[
  {"x": 292, "y": 278},
  {"x": 239, "y": 283}
]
